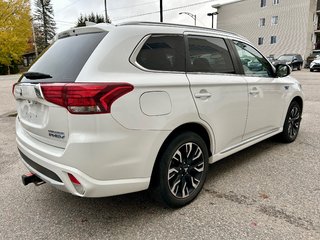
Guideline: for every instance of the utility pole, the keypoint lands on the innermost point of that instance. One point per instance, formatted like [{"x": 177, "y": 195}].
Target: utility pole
[
  {"x": 105, "y": 10},
  {"x": 161, "y": 11},
  {"x": 34, "y": 39}
]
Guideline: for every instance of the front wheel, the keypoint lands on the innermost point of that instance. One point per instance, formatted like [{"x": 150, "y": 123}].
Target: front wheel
[
  {"x": 181, "y": 170},
  {"x": 292, "y": 123}
]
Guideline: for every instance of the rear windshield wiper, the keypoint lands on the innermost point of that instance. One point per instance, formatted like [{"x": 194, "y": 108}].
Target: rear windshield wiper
[{"x": 36, "y": 75}]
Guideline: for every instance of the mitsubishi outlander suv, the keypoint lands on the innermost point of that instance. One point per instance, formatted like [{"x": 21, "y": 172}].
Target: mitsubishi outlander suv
[{"x": 113, "y": 109}]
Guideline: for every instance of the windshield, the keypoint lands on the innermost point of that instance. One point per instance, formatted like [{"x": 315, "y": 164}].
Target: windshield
[
  {"x": 66, "y": 57},
  {"x": 285, "y": 58}
]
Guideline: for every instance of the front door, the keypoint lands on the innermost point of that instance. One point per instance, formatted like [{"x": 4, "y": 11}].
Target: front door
[{"x": 266, "y": 93}]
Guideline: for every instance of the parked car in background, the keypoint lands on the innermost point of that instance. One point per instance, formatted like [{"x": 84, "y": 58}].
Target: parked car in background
[
  {"x": 315, "y": 64},
  {"x": 271, "y": 58},
  {"x": 313, "y": 56},
  {"x": 112, "y": 109},
  {"x": 255, "y": 65},
  {"x": 295, "y": 61}
]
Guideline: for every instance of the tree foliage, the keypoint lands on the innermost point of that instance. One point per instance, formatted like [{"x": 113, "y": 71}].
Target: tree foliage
[
  {"x": 44, "y": 24},
  {"x": 15, "y": 30},
  {"x": 95, "y": 18}
]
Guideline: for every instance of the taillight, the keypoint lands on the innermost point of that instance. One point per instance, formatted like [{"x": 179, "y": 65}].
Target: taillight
[
  {"x": 84, "y": 98},
  {"x": 13, "y": 86}
]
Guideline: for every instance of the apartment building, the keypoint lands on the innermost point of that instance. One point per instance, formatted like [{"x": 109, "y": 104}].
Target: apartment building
[{"x": 275, "y": 26}]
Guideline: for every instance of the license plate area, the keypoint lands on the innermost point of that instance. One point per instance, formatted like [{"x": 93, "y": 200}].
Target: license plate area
[{"x": 33, "y": 112}]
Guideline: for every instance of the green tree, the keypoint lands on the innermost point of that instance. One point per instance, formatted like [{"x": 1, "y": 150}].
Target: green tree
[
  {"x": 15, "y": 30},
  {"x": 96, "y": 18},
  {"x": 44, "y": 24}
]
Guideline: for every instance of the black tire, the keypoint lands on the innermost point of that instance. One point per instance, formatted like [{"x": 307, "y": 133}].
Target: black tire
[
  {"x": 292, "y": 123},
  {"x": 181, "y": 170},
  {"x": 299, "y": 67},
  {"x": 311, "y": 70}
]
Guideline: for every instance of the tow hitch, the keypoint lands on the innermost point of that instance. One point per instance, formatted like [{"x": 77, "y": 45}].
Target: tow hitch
[{"x": 31, "y": 178}]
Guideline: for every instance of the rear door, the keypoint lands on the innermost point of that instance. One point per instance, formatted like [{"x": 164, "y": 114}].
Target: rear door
[
  {"x": 60, "y": 63},
  {"x": 219, "y": 92}
]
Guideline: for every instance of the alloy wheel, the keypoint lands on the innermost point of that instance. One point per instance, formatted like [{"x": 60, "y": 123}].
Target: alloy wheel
[
  {"x": 294, "y": 122},
  {"x": 186, "y": 169}
]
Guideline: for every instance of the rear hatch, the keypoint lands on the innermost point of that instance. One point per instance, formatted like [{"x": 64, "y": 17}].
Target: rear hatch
[{"x": 59, "y": 65}]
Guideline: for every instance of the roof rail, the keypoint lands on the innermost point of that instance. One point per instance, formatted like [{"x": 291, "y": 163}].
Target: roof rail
[{"x": 178, "y": 25}]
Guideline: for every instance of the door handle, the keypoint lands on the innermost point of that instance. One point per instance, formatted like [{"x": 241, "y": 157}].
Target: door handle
[
  {"x": 254, "y": 91},
  {"x": 203, "y": 94}
]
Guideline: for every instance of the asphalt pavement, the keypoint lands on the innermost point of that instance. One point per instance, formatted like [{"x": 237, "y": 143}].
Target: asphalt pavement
[{"x": 268, "y": 191}]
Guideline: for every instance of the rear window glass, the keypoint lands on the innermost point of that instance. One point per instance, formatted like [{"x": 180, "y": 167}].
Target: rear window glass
[
  {"x": 163, "y": 53},
  {"x": 65, "y": 58}
]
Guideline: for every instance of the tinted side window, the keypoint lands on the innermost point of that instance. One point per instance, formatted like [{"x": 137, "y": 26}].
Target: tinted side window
[
  {"x": 66, "y": 57},
  {"x": 164, "y": 53},
  {"x": 254, "y": 64},
  {"x": 209, "y": 54}
]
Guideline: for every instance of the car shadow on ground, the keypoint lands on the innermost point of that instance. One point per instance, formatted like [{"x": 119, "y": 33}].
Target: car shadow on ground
[
  {"x": 130, "y": 206},
  {"x": 116, "y": 214}
]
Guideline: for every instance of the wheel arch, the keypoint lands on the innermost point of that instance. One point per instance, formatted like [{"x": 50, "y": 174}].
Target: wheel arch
[
  {"x": 287, "y": 135},
  {"x": 193, "y": 127},
  {"x": 299, "y": 100}
]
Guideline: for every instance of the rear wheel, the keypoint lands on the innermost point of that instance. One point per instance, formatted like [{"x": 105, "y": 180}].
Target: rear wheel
[
  {"x": 311, "y": 70},
  {"x": 292, "y": 123},
  {"x": 181, "y": 170}
]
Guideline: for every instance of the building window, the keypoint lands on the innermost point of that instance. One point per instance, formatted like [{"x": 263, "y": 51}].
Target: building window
[
  {"x": 273, "y": 39},
  {"x": 274, "y": 20},
  {"x": 276, "y": 2},
  {"x": 260, "y": 40},
  {"x": 262, "y": 22},
  {"x": 263, "y": 3}
]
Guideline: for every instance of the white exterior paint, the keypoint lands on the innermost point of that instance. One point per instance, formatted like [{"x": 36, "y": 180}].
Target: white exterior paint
[{"x": 115, "y": 153}]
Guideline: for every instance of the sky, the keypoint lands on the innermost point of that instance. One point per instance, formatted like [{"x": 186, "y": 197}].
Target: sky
[{"x": 66, "y": 12}]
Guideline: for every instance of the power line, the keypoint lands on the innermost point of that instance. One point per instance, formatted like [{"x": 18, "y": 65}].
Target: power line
[
  {"x": 66, "y": 23},
  {"x": 62, "y": 9},
  {"x": 143, "y": 14},
  {"x": 135, "y": 5},
  {"x": 166, "y": 10}
]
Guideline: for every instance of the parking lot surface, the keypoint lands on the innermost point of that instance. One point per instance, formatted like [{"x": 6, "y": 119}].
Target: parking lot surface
[{"x": 268, "y": 191}]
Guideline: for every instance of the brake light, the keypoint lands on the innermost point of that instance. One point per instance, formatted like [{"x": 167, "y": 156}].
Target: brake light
[{"x": 85, "y": 98}]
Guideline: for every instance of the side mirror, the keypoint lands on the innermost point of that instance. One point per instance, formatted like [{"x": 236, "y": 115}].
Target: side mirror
[{"x": 283, "y": 70}]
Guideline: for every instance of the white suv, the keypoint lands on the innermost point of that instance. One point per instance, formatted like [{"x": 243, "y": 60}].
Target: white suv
[{"x": 108, "y": 110}]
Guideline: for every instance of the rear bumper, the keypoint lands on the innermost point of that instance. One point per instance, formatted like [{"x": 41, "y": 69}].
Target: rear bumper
[
  {"x": 106, "y": 162},
  {"x": 57, "y": 175}
]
